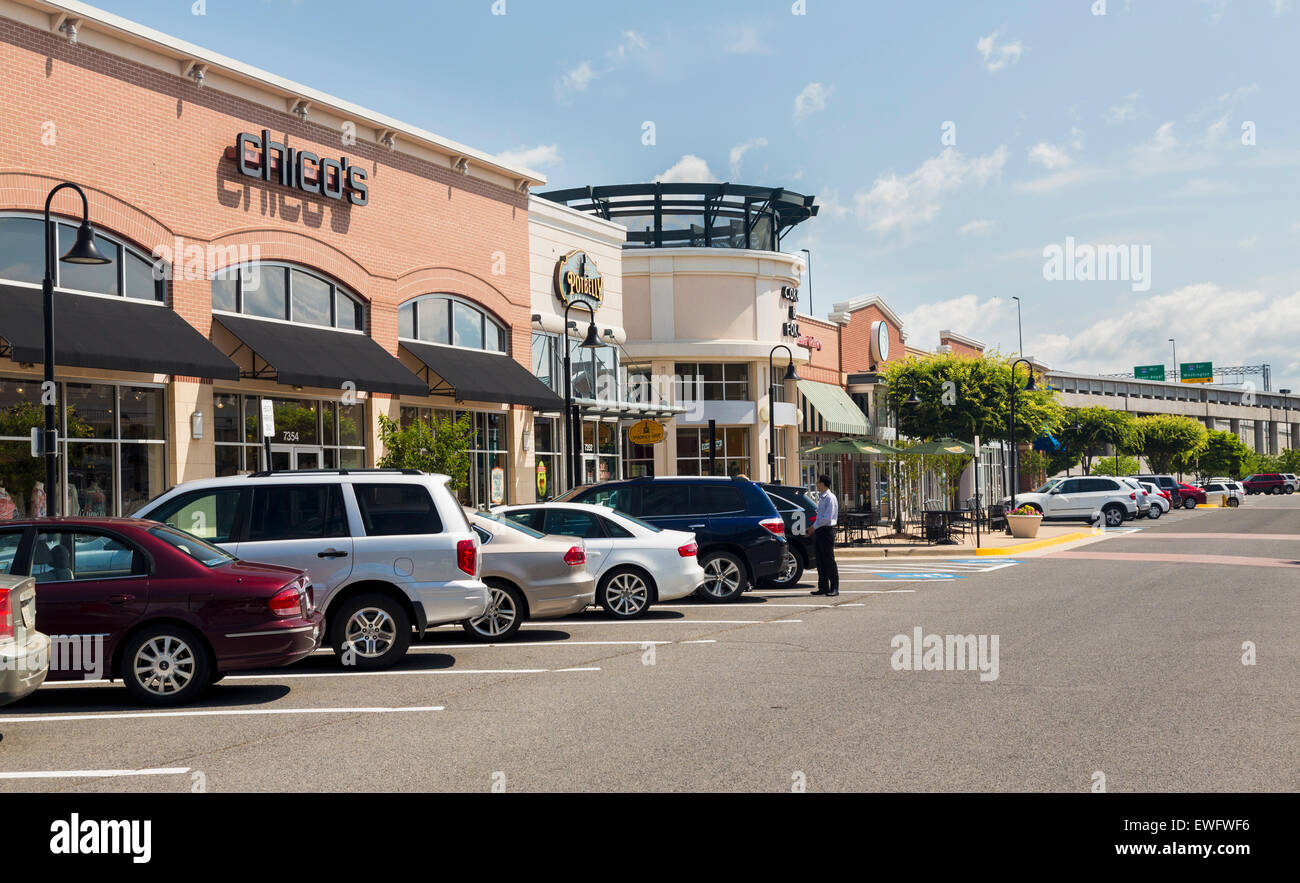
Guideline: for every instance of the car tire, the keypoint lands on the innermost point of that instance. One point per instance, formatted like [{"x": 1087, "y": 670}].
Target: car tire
[
  {"x": 1277, "y": 492},
  {"x": 1155, "y": 513},
  {"x": 166, "y": 664},
  {"x": 1290, "y": 490},
  {"x": 1113, "y": 515},
  {"x": 791, "y": 571},
  {"x": 1233, "y": 502},
  {"x": 506, "y": 612},
  {"x": 380, "y": 621},
  {"x": 1189, "y": 502},
  {"x": 625, "y": 593},
  {"x": 725, "y": 578}
]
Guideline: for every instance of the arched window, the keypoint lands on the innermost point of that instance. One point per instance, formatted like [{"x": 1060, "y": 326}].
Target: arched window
[
  {"x": 272, "y": 290},
  {"x": 129, "y": 273},
  {"x": 445, "y": 318}
]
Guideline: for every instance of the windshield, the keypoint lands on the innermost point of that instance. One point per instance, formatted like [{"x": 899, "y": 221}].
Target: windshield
[
  {"x": 637, "y": 521},
  {"x": 1047, "y": 487},
  {"x": 201, "y": 551},
  {"x": 499, "y": 519}
]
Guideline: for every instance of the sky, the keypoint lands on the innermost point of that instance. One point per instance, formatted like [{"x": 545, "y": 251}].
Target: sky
[{"x": 962, "y": 152}]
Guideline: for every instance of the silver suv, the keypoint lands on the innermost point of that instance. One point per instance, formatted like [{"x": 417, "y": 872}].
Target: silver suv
[{"x": 386, "y": 550}]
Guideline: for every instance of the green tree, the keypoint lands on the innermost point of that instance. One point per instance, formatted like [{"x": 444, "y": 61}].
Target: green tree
[
  {"x": 1122, "y": 465},
  {"x": 1171, "y": 440},
  {"x": 978, "y": 402},
  {"x": 438, "y": 445},
  {"x": 1224, "y": 454},
  {"x": 1085, "y": 431}
]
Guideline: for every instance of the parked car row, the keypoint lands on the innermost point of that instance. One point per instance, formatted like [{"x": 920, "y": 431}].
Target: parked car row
[
  {"x": 1113, "y": 500},
  {"x": 1271, "y": 483},
  {"x": 259, "y": 571}
]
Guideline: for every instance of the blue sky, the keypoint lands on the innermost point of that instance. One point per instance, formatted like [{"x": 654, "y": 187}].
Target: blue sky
[{"x": 1119, "y": 129}]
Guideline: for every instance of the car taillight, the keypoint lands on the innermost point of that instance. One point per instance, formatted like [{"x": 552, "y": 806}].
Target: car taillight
[
  {"x": 688, "y": 550},
  {"x": 287, "y": 601},
  {"x": 812, "y": 519},
  {"x": 6, "y": 614},
  {"x": 575, "y": 556},
  {"x": 467, "y": 556},
  {"x": 1133, "y": 496},
  {"x": 775, "y": 525}
]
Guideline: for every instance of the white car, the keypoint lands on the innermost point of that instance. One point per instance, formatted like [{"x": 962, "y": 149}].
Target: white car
[
  {"x": 1159, "y": 505},
  {"x": 385, "y": 549},
  {"x": 635, "y": 563},
  {"x": 1082, "y": 498},
  {"x": 1232, "y": 492},
  {"x": 1143, "y": 499}
]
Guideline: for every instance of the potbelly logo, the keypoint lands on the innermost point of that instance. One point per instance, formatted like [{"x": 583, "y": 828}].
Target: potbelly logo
[
  {"x": 261, "y": 157},
  {"x": 577, "y": 278}
]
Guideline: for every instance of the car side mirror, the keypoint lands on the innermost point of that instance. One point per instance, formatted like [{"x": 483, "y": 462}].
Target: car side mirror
[{"x": 1054, "y": 491}]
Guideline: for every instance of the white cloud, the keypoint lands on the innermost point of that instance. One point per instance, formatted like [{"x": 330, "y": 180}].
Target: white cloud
[
  {"x": 1202, "y": 188},
  {"x": 1125, "y": 110},
  {"x": 1062, "y": 180},
  {"x": 812, "y": 99},
  {"x": 998, "y": 56},
  {"x": 829, "y": 206},
  {"x": 979, "y": 227},
  {"x": 1230, "y": 327},
  {"x": 1165, "y": 154},
  {"x": 579, "y": 78},
  {"x": 690, "y": 169},
  {"x": 538, "y": 157},
  {"x": 738, "y": 153},
  {"x": 1049, "y": 156},
  {"x": 966, "y": 315},
  {"x": 631, "y": 42},
  {"x": 898, "y": 204},
  {"x": 747, "y": 41},
  {"x": 1281, "y": 6}
]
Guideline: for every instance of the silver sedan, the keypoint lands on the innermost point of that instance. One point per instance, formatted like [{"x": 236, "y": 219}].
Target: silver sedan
[{"x": 530, "y": 575}]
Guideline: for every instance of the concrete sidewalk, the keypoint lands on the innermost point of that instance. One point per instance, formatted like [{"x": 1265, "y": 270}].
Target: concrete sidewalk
[{"x": 996, "y": 543}]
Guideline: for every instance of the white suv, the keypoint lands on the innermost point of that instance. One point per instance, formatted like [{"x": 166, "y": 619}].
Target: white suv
[
  {"x": 386, "y": 550},
  {"x": 1082, "y": 498}
]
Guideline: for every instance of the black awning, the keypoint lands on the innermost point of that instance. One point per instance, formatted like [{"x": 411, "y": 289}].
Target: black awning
[
  {"x": 300, "y": 355},
  {"x": 112, "y": 333},
  {"x": 479, "y": 376}
]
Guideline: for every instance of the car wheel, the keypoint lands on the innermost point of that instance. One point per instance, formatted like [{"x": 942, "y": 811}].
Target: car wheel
[
  {"x": 1155, "y": 513},
  {"x": 504, "y": 615},
  {"x": 370, "y": 631},
  {"x": 624, "y": 594},
  {"x": 791, "y": 571},
  {"x": 1277, "y": 491},
  {"x": 1114, "y": 516},
  {"x": 1290, "y": 490},
  {"x": 1233, "y": 502},
  {"x": 166, "y": 665},
  {"x": 724, "y": 577},
  {"x": 1189, "y": 502}
]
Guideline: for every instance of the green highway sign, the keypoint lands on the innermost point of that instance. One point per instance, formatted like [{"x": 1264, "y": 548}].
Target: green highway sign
[
  {"x": 1196, "y": 372},
  {"x": 1149, "y": 372}
]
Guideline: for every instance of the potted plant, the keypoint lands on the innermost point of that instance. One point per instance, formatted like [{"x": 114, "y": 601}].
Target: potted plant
[{"x": 1024, "y": 522}]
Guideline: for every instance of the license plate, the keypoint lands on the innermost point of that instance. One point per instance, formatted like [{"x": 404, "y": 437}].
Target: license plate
[{"x": 29, "y": 615}]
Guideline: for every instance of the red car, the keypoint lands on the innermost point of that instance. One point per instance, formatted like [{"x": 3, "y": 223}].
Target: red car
[
  {"x": 1189, "y": 496},
  {"x": 164, "y": 611}
]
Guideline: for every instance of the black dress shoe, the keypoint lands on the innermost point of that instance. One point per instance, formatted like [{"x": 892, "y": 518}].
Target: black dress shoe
[
  {"x": 834, "y": 594},
  {"x": 818, "y": 592}
]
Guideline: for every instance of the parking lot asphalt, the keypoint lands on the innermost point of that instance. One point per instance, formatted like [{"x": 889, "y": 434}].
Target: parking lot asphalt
[{"x": 1107, "y": 663}]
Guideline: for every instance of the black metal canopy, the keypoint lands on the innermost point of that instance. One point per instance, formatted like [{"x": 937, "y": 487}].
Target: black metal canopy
[
  {"x": 480, "y": 376},
  {"x": 113, "y": 333},
  {"x": 322, "y": 357},
  {"x": 660, "y": 215}
]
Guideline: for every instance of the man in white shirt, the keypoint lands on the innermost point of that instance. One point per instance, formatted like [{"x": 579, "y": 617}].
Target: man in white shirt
[{"x": 828, "y": 514}]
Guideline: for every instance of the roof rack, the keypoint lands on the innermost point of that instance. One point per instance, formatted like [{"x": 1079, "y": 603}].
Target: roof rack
[{"x": 376, "y": 471}]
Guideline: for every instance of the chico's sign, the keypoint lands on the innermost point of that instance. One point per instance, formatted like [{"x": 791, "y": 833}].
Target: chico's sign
[{"x": 261, "y": 157}]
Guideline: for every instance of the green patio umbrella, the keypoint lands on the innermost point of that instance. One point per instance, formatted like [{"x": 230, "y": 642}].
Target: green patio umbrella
[
  {"x": 853, "y": 446},
  {"x": 941, "y": 446}
]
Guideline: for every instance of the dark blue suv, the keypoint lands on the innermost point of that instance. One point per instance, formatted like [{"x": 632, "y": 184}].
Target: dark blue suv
[{"x": 740, "y": 534}]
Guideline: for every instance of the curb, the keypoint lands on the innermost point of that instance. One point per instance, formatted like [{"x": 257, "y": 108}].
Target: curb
[{"x": 1042, "y": 544}]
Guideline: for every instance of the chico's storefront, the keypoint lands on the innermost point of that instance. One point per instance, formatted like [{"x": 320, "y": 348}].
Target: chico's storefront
[{"x": 277, "y": 245}]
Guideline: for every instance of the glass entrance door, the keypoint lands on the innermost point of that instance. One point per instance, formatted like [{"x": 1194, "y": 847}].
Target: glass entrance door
[{"x": 290, "y": 457}]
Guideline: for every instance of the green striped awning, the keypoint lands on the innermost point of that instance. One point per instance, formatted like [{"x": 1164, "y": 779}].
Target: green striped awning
[{"x": 828, "y": 408}]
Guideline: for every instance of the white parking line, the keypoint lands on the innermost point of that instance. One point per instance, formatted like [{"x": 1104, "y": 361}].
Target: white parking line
[
  {"x": 674, "y": 621},
  {"x": 225, "y": 712},
  {"x": 287, "y": 675},
  {"x": 733, "y": 606},
  {"x": 95, "y": 774},
  {"x": 417, "y": 648}
]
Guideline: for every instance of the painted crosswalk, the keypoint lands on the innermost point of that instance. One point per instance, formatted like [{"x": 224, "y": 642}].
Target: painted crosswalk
[{"x": 919, "y": 570}]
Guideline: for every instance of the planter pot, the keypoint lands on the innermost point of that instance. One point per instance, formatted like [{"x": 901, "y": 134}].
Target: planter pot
[{"x": 1024, "y": 527}]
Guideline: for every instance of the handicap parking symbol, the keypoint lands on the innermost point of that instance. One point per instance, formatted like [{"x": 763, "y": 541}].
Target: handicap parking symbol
[{"x": 921, "y": 575}]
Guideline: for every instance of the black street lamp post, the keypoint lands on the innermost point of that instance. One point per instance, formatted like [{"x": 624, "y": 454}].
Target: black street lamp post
[
  {"x": 83, "y": 251},
  {"x": 592, "y": 341},
  {"x": 1011, "y": 431},
  {"x": 771, "y": 416}
]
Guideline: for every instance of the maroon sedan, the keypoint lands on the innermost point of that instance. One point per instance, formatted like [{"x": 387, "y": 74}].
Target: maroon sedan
[
  {"x": 164, "y": 611},
  {"x": 1190, "y": 496}
]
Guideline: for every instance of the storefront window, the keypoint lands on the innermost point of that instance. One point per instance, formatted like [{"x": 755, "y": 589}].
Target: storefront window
[
  {"x": 140, "y": 411},
  {"x": 546, "y": 449},
  {"x": 443, "y": 318},
  {"x": 309, "y": 434},
  {"x": 731, "y": 455},
  {"x": 638, "y": 460},
  {"x": 129, "y": 272},
  {"x": 712, "y": 382},
  {"x": 279, "y": 291},
  {"x": 489, "y": 459}
]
